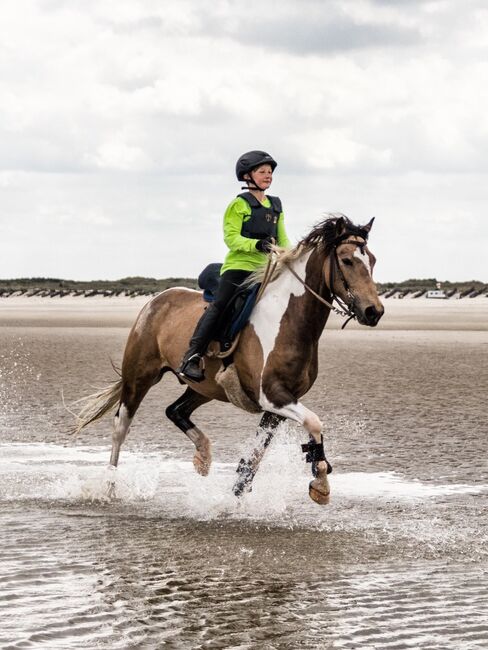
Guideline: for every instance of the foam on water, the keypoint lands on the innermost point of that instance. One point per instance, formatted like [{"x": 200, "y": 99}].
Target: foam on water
[{"x": 171, "y": 487}]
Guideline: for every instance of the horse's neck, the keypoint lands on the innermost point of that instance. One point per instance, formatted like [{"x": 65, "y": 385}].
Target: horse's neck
[
  {"x": 287, "y": 296},
  {"x": 309, "y": 313}
]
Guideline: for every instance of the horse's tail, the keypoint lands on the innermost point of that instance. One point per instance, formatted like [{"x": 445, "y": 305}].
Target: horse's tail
[{"x": 95, "y": 406}]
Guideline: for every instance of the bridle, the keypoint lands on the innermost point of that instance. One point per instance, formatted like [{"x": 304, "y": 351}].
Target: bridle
[{"x": 345, "y": 309}]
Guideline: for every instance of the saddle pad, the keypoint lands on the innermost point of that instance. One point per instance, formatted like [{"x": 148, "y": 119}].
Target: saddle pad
[{"x": 240, "y": 317}]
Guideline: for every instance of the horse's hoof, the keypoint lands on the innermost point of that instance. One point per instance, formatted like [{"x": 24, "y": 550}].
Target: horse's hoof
[
  {"x": 322, "y": 498},
  {"x": 201, "y": 464}
]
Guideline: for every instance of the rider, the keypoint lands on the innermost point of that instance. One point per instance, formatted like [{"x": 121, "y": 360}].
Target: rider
[{"x": 253, "y": 221}]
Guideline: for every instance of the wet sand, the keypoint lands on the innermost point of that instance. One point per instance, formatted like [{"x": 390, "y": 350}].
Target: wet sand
[{"x": 399, "y": 559}]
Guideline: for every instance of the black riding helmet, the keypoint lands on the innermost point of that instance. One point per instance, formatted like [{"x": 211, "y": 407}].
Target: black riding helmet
[{"x": 252, "y": 159}]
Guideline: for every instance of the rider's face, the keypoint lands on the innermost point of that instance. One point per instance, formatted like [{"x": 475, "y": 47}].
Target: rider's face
[{"x": 262, "y": 176}]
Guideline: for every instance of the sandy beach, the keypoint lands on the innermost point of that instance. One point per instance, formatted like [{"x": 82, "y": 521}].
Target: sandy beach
[{"x": 400, "y": 314}]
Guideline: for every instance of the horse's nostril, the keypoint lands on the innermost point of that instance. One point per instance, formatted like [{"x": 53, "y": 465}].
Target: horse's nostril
[{"x": 372, "y": 314}]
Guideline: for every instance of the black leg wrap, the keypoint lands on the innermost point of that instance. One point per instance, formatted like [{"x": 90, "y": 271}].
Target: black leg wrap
[
  {"x": 179, "y": 412},
  {"x": 245, "y": 476},
  {"x": 315, "y": 453}
]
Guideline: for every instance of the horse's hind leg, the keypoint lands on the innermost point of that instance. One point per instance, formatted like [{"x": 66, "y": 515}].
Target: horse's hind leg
[
  {"x": 130, "y": 400},
  {"x": 179, "y": 413},
  {"x": 132, "y": 395},
  {"x": 122, "y": 422},
  {"x": 247, "y": 469}
]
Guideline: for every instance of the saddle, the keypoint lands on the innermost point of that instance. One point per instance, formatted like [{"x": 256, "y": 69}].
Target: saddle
[{"x": 237, "y": 312}]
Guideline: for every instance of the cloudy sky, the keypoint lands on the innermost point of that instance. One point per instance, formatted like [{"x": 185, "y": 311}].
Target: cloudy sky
[{"x": 121, "y": 120}]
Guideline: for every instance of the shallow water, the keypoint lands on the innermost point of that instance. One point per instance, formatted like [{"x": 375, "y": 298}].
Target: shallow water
[{"x": 398, "y": 559}]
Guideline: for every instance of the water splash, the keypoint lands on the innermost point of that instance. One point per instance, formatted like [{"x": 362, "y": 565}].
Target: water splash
[{"x": 171, "y": 487}]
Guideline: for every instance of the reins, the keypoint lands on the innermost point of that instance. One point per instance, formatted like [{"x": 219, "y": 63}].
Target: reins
[
  {"x": 268, "y": 274},
  {"x": 344, "y": 312}
]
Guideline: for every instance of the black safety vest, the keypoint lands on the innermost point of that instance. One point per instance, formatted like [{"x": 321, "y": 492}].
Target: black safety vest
[{"x": 263, "y": 222}]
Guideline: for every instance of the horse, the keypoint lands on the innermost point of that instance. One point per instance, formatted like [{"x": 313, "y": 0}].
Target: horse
[{"x": 275, "y": 362}]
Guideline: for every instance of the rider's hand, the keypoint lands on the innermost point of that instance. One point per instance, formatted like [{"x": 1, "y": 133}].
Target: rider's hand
[{"x": 264, "y": 245}]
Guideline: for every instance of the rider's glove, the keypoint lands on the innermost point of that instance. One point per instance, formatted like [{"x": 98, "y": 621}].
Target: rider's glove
[{"x": 264, "y": 245}]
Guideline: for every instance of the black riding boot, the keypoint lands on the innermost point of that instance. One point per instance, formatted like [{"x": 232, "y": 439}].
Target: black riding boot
[{"x": 191, "y": 364}]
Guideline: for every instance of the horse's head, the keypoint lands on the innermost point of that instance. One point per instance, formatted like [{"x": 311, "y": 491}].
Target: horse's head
[
  {"x": 349, "y": 270},
  {"x": 347, "y": 266}
]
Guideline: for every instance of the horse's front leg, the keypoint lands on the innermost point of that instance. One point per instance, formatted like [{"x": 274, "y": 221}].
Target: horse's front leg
[
  {"x": 247, "y": 468},
  {"x": 319, "y": 488}
]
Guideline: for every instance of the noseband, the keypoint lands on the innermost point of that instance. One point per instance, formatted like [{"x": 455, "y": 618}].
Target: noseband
[{"x": 345, "y": 309}]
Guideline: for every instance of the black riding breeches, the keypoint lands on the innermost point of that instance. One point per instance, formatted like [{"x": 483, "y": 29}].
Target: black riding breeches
[
  {"x": 209, "y": 324},
  {"x": 228, "y": 285}
]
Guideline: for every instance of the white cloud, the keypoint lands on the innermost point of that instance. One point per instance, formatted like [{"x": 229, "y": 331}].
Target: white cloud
[
  {"x": 117, "y": 153},
  {"x": 337, "y": 149},
  {"x": 128, "y": 116}
]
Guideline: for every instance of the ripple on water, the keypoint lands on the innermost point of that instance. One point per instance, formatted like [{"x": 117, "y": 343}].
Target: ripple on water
[
  {"x": 390, "y": 563},
  {"x": 140, "y": 580}
]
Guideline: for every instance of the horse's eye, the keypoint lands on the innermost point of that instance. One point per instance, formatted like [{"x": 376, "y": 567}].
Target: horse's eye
[{"x": 347, "y": 261}]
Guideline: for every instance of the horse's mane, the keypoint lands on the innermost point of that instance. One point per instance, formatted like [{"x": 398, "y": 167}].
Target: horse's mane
[{"x": 323, "y": 235}]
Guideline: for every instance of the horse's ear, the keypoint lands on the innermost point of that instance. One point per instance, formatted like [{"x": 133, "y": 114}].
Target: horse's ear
[{"x": 369, "y": 225}]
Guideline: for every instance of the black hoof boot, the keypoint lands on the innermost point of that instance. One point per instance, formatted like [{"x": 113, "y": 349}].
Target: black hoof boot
[{"x": 192, "y": 369}]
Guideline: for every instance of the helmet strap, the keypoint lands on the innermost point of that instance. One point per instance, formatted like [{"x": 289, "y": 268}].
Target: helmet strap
[{"x": 252, "y": 185}]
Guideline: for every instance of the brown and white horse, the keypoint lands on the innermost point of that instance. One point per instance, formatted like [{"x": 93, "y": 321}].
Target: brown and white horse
[{"x": 276, "y": 360}]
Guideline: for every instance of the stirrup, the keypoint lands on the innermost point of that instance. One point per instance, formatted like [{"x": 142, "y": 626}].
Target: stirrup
[{"x": 195, "y": 374}]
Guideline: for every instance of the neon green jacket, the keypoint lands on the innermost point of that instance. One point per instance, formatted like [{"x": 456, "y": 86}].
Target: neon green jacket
[{"x": 243, "y": 255}]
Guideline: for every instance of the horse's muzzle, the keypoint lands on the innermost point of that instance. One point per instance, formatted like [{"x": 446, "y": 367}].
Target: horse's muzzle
[{"x": 371, "y": 316}]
